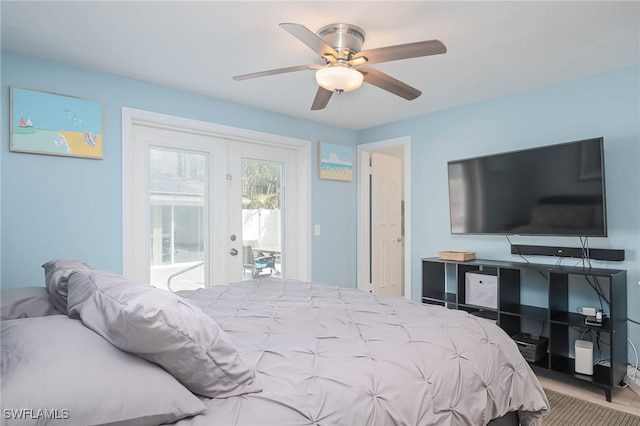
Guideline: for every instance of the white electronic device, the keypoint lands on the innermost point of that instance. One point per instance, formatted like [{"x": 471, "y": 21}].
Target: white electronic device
[
  {"x": 584, "y": 357},
  {"x": 596, "y": 320}
]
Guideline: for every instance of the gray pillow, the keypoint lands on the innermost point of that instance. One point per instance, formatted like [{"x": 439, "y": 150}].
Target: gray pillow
[
  {"x": 56, "y": 368},
  {"x": 26, "y": 302},
  {"x": 161, "y": 327},
  {"x": 56, "y": 274}
]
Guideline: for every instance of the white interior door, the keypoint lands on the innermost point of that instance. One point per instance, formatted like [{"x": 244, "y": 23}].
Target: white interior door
[{"x": 386, "y": 225}]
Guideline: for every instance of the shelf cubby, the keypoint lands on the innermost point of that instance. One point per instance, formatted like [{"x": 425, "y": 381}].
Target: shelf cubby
[{"x": 443, "y": 283}]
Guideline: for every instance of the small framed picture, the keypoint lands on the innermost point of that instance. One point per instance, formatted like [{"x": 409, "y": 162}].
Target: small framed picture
[
  {"x": 335, "y": 162},
  {"x": 55, "y": 124}
]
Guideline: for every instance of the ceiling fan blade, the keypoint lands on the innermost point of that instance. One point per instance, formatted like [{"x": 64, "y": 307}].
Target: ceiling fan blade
[
  {"x": 322, "y": 98},
  {"x": 402, "y": 51},
  {"x": 390, "y": 84},
  {"x": 310, "y": 38},
  {"x": 276, "y": 71}
]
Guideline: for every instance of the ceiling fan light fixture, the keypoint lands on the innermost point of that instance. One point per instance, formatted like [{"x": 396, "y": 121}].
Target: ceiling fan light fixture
[{"x": 340, "y": 77}]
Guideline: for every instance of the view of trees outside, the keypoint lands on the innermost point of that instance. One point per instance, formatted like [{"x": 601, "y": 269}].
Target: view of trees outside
[
  {"x": 262, "y": 217},
  {"x": 261, "y": 185}
]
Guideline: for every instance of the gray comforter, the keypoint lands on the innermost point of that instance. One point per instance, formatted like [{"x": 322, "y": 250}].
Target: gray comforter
[{"x": 334, "y": 356}]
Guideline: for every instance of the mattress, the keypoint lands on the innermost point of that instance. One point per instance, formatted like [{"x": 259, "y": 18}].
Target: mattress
[
  {"x": 329, "y": 355},
  {"x": 261, "y": 352}
]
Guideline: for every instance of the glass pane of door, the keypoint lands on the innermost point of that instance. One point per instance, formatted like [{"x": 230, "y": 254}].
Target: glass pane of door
[
  {"x": 179, "y": 222},
  {"x": 262, "y": 218}
]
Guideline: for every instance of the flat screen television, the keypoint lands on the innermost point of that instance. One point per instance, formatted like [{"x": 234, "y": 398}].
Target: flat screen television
[{"x": 554, "y": 190}]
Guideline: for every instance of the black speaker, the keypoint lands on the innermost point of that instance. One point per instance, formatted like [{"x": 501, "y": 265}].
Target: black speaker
[{"x": 593, "y": 253}]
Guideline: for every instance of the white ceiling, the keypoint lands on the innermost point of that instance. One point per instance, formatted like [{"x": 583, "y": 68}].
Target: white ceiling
[{"x": 494, "y": 48}]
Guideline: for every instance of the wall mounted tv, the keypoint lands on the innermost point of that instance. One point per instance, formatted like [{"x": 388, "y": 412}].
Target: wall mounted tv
[{"x": 556, "y": 190}]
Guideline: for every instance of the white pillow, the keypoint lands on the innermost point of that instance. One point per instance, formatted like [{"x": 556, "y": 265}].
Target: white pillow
[
  {"x": 57, "y": 369},
  {"x": 56, "y": 273},
  {"x": 161, "y": 327}
]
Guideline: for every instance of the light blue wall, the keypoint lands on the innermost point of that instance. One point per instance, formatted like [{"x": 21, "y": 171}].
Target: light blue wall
[
  {"x": 68, "y": 207},
  {"x": 65, "y": 207},
  {"x": 605, "y": 105}
]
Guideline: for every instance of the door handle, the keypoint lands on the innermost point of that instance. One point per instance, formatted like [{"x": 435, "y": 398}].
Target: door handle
[{"x": 233, "y": 252}]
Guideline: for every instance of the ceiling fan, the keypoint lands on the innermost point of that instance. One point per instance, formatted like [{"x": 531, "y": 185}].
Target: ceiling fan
[{"x": 342, "y": 68}]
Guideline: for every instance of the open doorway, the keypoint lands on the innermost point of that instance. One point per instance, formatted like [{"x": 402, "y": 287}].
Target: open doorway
[{"x": 384, "y": 212}]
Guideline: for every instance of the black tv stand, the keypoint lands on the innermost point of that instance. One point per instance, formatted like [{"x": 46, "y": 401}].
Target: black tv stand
[{"x": 443, "y": 283}]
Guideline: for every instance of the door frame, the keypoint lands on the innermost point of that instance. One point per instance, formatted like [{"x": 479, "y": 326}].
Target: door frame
[
  {"x": 302, "y": 148},
  {"x": 363, "y": 152}
]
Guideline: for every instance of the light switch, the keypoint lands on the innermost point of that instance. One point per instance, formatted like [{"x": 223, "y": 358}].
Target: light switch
[{"x": 316, "y": 230}]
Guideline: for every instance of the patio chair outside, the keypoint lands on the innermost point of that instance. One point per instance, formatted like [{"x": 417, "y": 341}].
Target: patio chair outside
[{"x": 255, "y": 262}]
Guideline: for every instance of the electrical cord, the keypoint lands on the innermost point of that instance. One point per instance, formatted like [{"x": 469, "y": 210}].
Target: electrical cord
[
  {"x": 637, "y": 360},
  {"x": 595, "y": 285},
  {"x": 525, "y": 259},
  {"x": 586, "y": 260},
  {"x": 519, "y": 254}
]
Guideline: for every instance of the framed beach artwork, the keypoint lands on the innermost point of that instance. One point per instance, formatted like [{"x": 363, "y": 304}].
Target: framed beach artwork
[
  {"x": 55, "y": 124},
  {"x": 335, "y": 161}
]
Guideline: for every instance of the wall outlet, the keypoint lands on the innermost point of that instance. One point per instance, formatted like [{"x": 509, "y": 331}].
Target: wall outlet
[{"x": 634, "y": 384}]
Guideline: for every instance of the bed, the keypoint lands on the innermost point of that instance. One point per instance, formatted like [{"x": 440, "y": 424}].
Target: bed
[{"x": 93, "y": 347}]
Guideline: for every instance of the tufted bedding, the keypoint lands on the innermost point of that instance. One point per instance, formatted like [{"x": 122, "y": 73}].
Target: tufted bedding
[
  {"x": 333, "y": 356},
  {"x": 93, "y": 348}
]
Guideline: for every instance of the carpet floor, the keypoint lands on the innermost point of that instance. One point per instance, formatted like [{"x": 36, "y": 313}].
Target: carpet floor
[{"x": 568, "y": 411}]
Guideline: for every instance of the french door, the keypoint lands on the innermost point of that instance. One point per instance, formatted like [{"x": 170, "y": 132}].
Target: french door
[
  {"x": 208, "y": 210},
  {"x": 260, "y": 179}
]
